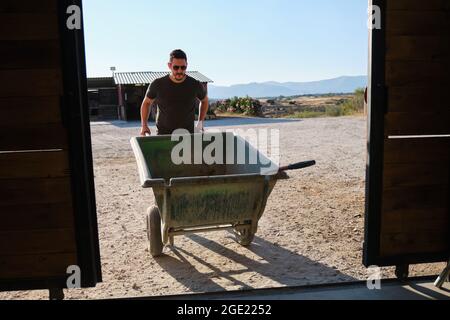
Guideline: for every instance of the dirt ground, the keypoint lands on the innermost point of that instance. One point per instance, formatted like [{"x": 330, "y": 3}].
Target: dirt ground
[{"x": 311, "y": 231}]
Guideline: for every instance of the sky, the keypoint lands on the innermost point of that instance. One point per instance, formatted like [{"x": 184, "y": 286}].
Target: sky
[{"x": 230, "y": 41}]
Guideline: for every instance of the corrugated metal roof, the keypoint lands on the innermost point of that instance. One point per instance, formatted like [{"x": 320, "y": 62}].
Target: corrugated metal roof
[{"x": 149, "y": 77}]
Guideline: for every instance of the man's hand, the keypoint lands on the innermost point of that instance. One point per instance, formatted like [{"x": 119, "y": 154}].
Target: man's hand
[
  {"x": 145, "y": 130},
  {"x": 204, "y": 106},
  {"x": 199, "y": 128}
]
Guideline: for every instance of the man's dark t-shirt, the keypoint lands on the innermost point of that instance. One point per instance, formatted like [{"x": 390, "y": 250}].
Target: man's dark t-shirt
[{"x": 176, "y": 103}]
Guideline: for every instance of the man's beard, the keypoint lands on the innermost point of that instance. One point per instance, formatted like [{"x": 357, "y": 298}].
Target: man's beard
[{"x": 178, "y": 76}]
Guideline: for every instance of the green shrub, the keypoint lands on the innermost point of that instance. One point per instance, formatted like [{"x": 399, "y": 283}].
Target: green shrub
[
  {"x": 355, "y": 104},
  {"x": 334, "y": 111},
  {"x": 246, "y": 106},
  {"x": 347, "y": 107}
]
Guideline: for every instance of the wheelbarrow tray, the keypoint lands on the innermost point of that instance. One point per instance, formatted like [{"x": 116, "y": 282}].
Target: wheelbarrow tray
[{"x": 201, "y": 197}]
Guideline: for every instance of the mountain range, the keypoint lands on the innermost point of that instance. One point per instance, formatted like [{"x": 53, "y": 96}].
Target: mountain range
[{"x": 345, "y": 84}]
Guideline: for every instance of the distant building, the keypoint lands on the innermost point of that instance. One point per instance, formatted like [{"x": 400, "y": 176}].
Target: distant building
[
  {"x": 120, "y": 97},
  {"x": 103, "y": 99}
]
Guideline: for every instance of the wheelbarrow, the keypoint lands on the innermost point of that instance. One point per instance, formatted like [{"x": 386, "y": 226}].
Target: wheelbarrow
[{"x": 195, "y": 197}]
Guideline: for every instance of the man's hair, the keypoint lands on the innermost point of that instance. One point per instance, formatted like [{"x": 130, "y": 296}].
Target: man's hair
[{"x": 178, "y": 54}]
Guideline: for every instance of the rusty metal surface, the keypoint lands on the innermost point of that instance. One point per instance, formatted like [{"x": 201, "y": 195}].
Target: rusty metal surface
[{"x": 198, "y": 196}]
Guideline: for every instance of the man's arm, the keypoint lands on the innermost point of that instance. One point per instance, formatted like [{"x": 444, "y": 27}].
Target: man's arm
[
  {"x": 145, "y": 113},
  {"x": 204, "y": 109},
  {"x": 204, "y": 106}
]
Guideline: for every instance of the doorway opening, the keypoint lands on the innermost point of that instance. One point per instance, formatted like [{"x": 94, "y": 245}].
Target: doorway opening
[{"x": 312, "y": 228}]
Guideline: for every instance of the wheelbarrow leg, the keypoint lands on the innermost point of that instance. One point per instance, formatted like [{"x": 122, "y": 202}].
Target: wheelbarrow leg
[
  {"x": 244, "y": 236},
  {"x": 444, "y": 276},
  {"x": 402, "y": 272},
  {"x": 171, "y": 241}
]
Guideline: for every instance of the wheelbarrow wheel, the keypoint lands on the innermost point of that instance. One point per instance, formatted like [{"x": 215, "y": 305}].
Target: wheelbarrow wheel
[
  {"x": 154, "y": 232},
  {"x": 244, "y": 237}
]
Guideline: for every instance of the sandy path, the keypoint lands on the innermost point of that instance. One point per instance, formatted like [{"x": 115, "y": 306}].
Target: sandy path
[{"x": 311, "y": 232}]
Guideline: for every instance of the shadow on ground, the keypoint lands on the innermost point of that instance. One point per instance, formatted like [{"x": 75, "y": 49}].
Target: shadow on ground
[{"x": 299, "y": 270}]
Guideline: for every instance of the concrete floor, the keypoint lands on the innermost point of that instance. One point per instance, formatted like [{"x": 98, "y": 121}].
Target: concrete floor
[{"x": 414, "y": 289}]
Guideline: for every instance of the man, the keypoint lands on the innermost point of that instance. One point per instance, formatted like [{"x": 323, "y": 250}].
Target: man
[{"x": 176, "y": 96}]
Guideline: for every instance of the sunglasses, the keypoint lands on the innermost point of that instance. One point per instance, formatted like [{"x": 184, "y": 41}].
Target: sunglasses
[{"x": 176, "y": 68}]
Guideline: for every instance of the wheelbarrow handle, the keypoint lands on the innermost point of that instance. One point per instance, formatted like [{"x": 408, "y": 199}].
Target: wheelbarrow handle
[{"x": 300, "y": 165}]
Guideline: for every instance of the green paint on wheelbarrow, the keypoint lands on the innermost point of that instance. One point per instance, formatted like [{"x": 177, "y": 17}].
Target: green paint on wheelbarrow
[{"x": 231, "y": 202}]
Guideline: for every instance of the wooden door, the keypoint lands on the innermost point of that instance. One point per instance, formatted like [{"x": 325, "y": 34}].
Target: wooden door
[
  {"x": 407, "y": 207},
  {"x": 47, "y": 203}
]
